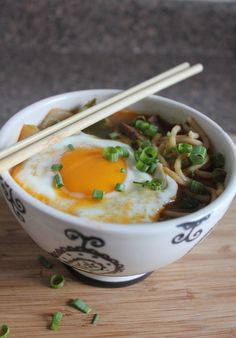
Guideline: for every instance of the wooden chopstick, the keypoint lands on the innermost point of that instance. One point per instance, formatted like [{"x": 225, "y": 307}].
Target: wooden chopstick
[{"x": 32, "y": 145}]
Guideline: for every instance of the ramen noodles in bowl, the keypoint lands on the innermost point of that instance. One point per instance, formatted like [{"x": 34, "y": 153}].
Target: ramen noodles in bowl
[{"x": 128, "y": 195}]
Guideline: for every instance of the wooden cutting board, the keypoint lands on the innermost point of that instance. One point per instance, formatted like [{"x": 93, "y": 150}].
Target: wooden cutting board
[{"x": 192, "y": 298}]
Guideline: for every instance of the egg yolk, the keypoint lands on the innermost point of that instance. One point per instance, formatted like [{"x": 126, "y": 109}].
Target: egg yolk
[{"x": 85, "y": 169}]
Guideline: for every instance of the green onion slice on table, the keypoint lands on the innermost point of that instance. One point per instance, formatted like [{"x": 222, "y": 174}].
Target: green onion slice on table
[
  {"x": 4, "y": 331},
  {"x": 56, "y": 321},
  {"x": 95, "y": 319},
  {"x": 80, "y": 305},
  {"x": 57, "y": 281}
]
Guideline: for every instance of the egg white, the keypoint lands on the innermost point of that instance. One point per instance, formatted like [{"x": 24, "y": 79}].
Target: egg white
[{"x": 135, "y": 204}]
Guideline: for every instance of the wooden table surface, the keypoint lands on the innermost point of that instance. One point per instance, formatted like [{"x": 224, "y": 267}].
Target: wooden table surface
[{"x": 192, "y": 298}]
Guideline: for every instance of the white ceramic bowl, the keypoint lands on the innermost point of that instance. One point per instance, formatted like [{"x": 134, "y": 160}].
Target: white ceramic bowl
[{"x": 115, "y": 253}]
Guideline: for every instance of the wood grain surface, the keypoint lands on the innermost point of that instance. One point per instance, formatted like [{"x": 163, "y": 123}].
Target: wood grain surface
[{"x": 192, "y": 298}]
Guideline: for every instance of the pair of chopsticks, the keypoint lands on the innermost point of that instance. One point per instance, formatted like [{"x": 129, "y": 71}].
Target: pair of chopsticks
[{"x": 24, "y": 149}]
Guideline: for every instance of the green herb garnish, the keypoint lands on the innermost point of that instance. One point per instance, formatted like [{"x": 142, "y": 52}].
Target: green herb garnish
[
  {"x": 58, "y": 181},
  {"x": 198, "y": 155},
  {"x": 45, "y": 262},
  {"x": 56, "y": 167},
  {"x": 154, "y": 184},
  {"x": 97, "y": 194},
  {"x": 70, "y": 147},
  {"x": 56, "y": 321},
  {"x": 79, "y": 304},
  {"x": 57, "y": 281},
  {"x": 114, "y": 153},
  {"x": 95, "y": 319},
  {"x": 148, "y": 129},
  {"x": 4, "y": 331},
  {"x": 183, "y": 148},
  {"x": 123, "y": 170},
  {"x": 119, "y": 187}
]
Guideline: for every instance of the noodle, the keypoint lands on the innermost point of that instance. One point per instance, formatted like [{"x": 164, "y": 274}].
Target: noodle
[
  {"x": 163, "y": 161},
  {"x": 195, "y": 167},
  {"x": 178, "y": 169},
  {"x": 175, "y": 176},
  {"x": 203, "y": 174},
  {"x": 173, "y": 133},
  {"x": 192, "y": 134},
  {"x": 199, "y": 130}
]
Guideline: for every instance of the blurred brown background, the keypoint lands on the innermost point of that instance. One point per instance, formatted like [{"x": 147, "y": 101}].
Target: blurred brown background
[{"x": 53, "y": 46}]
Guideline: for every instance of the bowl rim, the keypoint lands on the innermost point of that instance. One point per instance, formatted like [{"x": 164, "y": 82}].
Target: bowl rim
[{"x": 137, "y": 228}]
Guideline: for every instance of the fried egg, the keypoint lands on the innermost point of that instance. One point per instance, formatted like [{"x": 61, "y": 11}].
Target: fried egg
[{"x": 84, "y": 170}]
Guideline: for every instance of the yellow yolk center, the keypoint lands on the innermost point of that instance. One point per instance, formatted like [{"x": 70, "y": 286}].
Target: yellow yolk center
[{"x": 85, "y": 169}]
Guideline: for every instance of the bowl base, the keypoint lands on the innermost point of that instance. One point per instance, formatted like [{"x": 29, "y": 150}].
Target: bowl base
[{"x": 106, "y": 281}]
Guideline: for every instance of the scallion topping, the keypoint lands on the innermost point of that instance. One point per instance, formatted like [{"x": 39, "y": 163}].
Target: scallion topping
[
  {"x": 56, "y": 167},
  {"x": 148, "y": 155},
  {"x": 141, "y": 166},
  {"x": 218, "y": 160},
  {"x": 198, "y": 154},
  {"x": 58, "y": 181},
  {"x": 154, "y": 184},
  {"x": 57, "y": 281},
  {"x": 183, "y": 148},
  {"x": 119, "y": 187},
  {"x": 123, "y": 170},
  {"x": 148, "y": 129},
  {"x": 45, "y": 262},
  {"x": 56, "y": 321},
  {"x": 4, "y": 331},
  {"x": 97, "y": 194},
  {"x": 114, "y": 153},
  {"x": 197, "y": 187},
  {"x": 80, "y": 305},
  {"x": 114, "y": 135},
  {"x": 70, "y": 147},
  {"x": 95, "y": 319}
]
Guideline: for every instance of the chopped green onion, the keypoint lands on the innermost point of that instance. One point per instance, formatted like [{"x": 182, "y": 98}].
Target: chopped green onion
[
  {"x": 147, "y": 128},
  {"x": 197, "y": 187},
  {"x": 122, "y": 151},
  {"x": 119, "y": 187},
  {"x": 152, "y": 168},
  {"x": 145, "y": 143},
  {"x": 57, "y": 281},
  {"x": 218, "y": 160},
  {"x": 154, "y": 184},
  {"x": 70, "y": 147},
  {"x": 4, "y": 331},
  {"x": 183, "y": 148},
  {"x": 198, "y": 154},
  {"x": 56, "y": 167},
  {"x": 58, "y": 181},
  {"x": 151, "y": 131},
  {"x": 141, "y": 124},
  {"x": 148, "y": 155},
  {"x": 56, "y": 321},
  {"x": 111, "y": 154},
  {"x": 97, "y": 194},
  {"x": 219, "y": 174},
  {"x": 89, "y": 104},
  {"x": 114, "y": 135},
  {"x": 45, "y": 262},
  {"x": 168, "y": 134},
  {"x": 95, "y": 319},
  {"x": 81, "y": 305},
  {"x": 141, "y": 166},
  {"x": 123, "y": 170}
]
